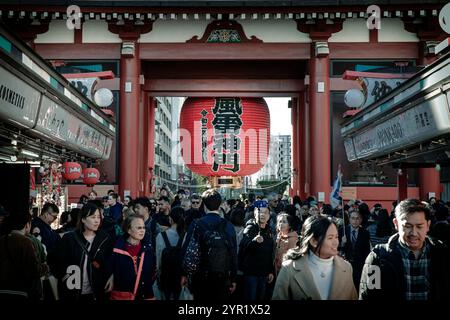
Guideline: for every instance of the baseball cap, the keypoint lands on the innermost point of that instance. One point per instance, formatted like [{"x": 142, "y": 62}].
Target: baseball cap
[{"x": 260, "y": 204}]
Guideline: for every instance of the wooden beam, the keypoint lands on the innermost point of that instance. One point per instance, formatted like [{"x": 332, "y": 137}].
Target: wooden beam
[
  {"x": 380, "y": 50},
  {"x": 338, "y": 84},
  {"x": 79, "y": 51},
  {"x": 224, "y": 87},
  {"x": 224, "y": 51}
]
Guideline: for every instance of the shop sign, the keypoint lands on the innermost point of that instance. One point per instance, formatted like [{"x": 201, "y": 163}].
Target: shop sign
[{"x": 19, "y": 101}]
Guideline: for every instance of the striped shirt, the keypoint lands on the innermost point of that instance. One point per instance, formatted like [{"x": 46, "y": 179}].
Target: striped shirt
[{"x": 417, "y": 272}]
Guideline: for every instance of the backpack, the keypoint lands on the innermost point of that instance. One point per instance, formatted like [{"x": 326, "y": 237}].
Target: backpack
[
  {"x": 215, "y": 249},
  {"x": 171, "y": 266}
]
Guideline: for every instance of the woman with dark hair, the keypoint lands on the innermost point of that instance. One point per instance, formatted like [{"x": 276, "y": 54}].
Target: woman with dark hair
[
  {"x": 83, "y": 199},
  {"x": 69, "y": 223},
  {"x": 132, "y": 263},
  {"x": 170, "y": 272},
  {"x": 86, "y": 248},
  {"x": 363, "y": 209},
  {"x": 294, "y": 213},
  {"x": 287, "y": 238},
  {"x": 313, "y": 270},
  {"x": 382, "y": 229}
]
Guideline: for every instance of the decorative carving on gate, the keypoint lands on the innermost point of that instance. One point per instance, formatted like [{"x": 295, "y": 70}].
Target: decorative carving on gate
[{"x": 224, "y": 31}]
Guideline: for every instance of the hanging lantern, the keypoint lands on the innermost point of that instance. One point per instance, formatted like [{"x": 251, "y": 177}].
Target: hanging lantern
[
  {"x": 71, "y": 170},
  {"x": 91, "y": 176},
  {"x": 354, "y": 98},
  {"x": 225, "y": 136}
]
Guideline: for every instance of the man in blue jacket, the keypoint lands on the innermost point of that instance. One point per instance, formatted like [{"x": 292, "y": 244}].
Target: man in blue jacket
[
  {"x": 214, "y": 278},
  {"x": 49, "y": 237}
]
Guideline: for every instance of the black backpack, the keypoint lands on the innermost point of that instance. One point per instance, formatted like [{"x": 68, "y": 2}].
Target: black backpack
[
  {"x": 215, "y": 249},
  {"x": 171, "y": 262}
]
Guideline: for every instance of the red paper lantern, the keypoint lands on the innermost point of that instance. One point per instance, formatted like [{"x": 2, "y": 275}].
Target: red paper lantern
[
  {"x": 225, "y": 136},
  {"x": 71, "y": 170},
  {"x": 91, "y": 176}
]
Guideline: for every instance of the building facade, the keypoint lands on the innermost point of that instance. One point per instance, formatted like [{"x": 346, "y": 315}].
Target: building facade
[{"x": 284, "y": 157}]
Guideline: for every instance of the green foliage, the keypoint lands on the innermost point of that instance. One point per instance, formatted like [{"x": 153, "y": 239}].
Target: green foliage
[{"x": 268, "y": 186}]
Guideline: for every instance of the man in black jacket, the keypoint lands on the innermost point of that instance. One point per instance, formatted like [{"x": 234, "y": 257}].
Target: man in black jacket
[
  {"x": 215, "y": 277},
  {"x": 357, "y": 245},
  {"x": 411, "y": 266},
  {"x": 257, "y": 254}
]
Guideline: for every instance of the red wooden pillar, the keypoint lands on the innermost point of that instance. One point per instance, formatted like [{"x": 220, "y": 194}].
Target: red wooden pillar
[
  {"x": 320, "y": 140},
  {"x": 319, "y": 105},
  {"x": 130, "y": 110},
  {"x": 130, "y": 68},
  {"x": 402, "y": 185},
  {"x": 295, "y": 148}
]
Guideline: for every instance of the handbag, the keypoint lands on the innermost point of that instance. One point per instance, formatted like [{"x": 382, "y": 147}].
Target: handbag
[
  {"x": 191, "y": 261},
  {"x": 125, "y": 295}
]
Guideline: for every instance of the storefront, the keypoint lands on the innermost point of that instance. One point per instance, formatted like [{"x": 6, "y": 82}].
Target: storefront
[
  {"x": 45, "y": 121},
  {"x": 407, "y": 128}
]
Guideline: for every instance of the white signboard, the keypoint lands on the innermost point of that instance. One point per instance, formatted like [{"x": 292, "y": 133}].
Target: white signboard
[
  {"x": 377, "y": 88},
  {"x": 413, "y": 126},
  {"x": 19, "y": 101},
  {"x": 56, "y": 122}
]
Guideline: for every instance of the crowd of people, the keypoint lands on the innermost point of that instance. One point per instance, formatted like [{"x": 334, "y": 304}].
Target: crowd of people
[{"x": 206, "y": 248}]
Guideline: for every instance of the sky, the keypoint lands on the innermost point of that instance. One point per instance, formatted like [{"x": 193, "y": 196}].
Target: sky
[{"x": 280, "y": 116}]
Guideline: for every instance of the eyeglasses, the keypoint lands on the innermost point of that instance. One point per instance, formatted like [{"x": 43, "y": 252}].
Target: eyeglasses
[
  {"x": 195, "y": 202},
  {"x": 53, "y": 215},
  {"x": 36, "y": 234}
]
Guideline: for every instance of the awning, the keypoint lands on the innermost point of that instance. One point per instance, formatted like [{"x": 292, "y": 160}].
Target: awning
[
  {"x": 43, "y": 111},
  {"x": 410, "y": 124}
]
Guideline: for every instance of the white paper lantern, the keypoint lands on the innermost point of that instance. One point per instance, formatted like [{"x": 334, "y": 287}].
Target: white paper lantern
[
  {"x": 103, "y": 97},
  {"x": 354, "y": 98}
]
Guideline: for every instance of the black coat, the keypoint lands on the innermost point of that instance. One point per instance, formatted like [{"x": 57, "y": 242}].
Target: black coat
[
  {"x": 392, "y": 281},
  {"x": 257, "y": 259},
  {"x": 69, "y": 252},
  {"x": 356, "y": 254}
]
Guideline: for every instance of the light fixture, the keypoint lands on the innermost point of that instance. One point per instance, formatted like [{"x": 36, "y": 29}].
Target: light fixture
[
  {"x": 14, "y": 142},
  {"x": 30, "y": 153},
  {"x": 437, "y": 167},
  {"x": 13, "y": 158}
]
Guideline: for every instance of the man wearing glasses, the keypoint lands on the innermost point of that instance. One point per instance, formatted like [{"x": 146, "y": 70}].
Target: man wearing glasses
[
  {"x": 196, "y": 210},
  {"x": 49, "y": 237},
  {"x": 272, "y": 199}
]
